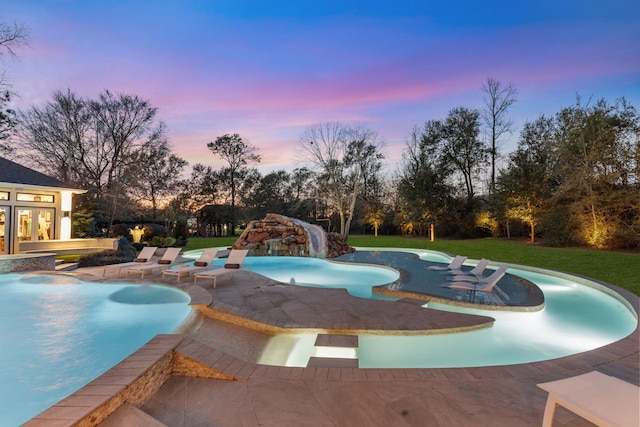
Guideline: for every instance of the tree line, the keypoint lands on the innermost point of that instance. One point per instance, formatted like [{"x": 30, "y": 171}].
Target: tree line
[{"x": 573, "y": 178}]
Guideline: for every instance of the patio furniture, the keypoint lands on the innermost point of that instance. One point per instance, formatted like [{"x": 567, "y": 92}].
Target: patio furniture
[
  {"x": 235, "y": 261},
  {"x": 476, "y": 271},
  {"x": 484, "y": 284},
  {"x": 455, "y": 264},
  {"x": 145, "y": 256},
  {"x": 602, "y": 399},
  {"x": 166, "y": 261},
  {"x": 201, "y": 264}
]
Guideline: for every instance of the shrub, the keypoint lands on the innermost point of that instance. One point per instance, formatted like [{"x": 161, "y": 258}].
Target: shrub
[
  {"x": 163, "y": 242},
  {"x": 126, "y": 252},
  {"x": 152, "y": 230},
  {"x": 121, "y": 230},
  {"x": 107, "y": 257}
]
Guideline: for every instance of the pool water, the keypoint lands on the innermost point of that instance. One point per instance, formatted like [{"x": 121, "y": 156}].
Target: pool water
[
  {"x": 356, "y": 279},
  {"x": 576, "y": 317},
  {"x": 63, "y": 332}
]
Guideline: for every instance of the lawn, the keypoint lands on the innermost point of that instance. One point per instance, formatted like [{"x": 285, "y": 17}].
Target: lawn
[{"x": 618, "y": 268}]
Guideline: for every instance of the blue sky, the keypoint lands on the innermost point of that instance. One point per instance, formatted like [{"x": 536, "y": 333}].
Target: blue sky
[{"x": 269, "y": 69}]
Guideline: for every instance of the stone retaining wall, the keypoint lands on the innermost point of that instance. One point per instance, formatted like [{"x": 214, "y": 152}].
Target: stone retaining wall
[{"x": 27, "y": 262}]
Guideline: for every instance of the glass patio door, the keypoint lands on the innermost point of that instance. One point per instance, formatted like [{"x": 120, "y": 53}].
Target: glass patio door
[
  {"x": 25, "y": 224},
  {"x": 34, "y": 224},
  {"x": 4, "y": 225}
]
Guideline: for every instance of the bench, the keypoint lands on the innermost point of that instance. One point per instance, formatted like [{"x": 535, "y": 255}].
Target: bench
[{"x": 596, "y": 397}]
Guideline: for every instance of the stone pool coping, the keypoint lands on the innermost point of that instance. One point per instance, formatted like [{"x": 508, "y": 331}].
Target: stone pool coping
[{"x": 132, "y": 381}]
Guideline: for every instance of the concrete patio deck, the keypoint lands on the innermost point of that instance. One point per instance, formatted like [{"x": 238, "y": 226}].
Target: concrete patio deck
[{"x": 241, "y": 314}]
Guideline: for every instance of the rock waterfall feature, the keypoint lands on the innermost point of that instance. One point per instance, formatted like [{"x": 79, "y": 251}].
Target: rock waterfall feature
[{"x": 280, "y": 235}]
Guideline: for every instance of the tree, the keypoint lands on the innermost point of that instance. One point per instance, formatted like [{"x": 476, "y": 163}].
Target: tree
[
  {"x": 269, "y": 193},
  {"x": 58, "y": 139},
  {"x": 423, "y": 179},
  {"x": 375, "y": 215},
  {"x": 158, "y": 175},
  {"x": 238, "y": 154},
  {"x": 527, "y": 183},
  {"x": 498, "y": 99},
  {"x": 8, "y": 121},
  {"x": 126, "y": 124},
  {"x": 202, "y": 187},
  {"x": 11, "y": 37},
  {"x": 341, "y": 156},
  {"x": 94, "y": 143},
  {"x": 461, "y": 146},
  {"x": 597, "y": 165}
]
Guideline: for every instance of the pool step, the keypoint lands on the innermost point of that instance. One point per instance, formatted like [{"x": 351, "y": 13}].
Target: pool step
[
  {"x": 335, "y": 351},
  {"x": 335, "y": 340},
  {"x": 66, "y": 266},
  {"x": 332, "y": 362},
  {"x": 413, "y": 301}
]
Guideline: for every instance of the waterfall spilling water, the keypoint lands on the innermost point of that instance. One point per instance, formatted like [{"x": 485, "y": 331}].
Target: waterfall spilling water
[{"x": 317, "y": 238}]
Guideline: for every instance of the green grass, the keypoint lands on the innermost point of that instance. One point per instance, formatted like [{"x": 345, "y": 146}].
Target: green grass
[
  {"x": 208, "y": 242},
  {"x": 618, "y": 268}
]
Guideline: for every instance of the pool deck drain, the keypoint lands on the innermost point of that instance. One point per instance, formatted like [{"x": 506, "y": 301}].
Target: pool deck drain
[{"x": 264, "y": 395}]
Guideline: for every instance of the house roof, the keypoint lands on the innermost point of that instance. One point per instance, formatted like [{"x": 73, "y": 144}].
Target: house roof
[{"x": 13, "y": 173}]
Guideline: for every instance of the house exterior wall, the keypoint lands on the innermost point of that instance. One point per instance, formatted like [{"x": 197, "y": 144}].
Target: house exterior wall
[{"x": 30, "y": 213}]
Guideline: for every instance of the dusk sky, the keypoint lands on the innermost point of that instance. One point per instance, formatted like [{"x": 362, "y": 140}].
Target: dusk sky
[{"x": 269, "y": 69}]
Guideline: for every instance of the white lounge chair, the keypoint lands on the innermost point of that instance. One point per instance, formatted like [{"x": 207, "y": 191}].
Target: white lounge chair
[
  {"x": 484, "y": 284},
  {"x": 602, "y": 399},
  {"x": 145, "y": 256},
  {"x": 201, "y": 264},
  {"x": 167, "y": 260},
  {"x": 455, "y": 264},
  {"x": 476, "y": 271},
  {"x": 234, "y": 262}
]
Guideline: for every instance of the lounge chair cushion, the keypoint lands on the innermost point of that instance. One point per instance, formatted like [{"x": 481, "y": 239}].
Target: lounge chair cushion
[
  {"x": 228, "y": 265},
  {"x": 164, "y": 261},
  {"x": 140, "y": 260},
  {"x": 200, "y": 264}
]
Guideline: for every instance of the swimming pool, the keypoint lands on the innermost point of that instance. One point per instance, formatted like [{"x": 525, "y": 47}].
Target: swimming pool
[
  {"x": 576, "y": 318},
  {"x": 358, "y": 280},
  {"x": 578, "y": 315},
  {"x": 63, "y": 332}
]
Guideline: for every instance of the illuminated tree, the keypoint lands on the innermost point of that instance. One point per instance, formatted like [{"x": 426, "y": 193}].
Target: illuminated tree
[
  {"x": 526, "y": 184},
  {"x": 423, "y": 180},
  {"x": 597, "y": 170},
  {"x": 375, "y": 215},
  {"x": 342, "y": 156}
]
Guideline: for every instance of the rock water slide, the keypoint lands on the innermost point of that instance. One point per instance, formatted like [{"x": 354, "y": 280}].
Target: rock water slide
[{"x": 317, "y": 238}]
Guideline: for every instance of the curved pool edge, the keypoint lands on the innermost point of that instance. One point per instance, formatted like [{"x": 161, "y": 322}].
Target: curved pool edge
[
  {"x": 621, "y": 294},
  {"x": 608, "y": 288},
  {"x": 619, "y": 358},
  {"x": 229, "y": 315}
]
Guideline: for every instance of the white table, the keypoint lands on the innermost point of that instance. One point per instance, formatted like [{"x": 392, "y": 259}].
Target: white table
[{"x": 599, "y": 398}]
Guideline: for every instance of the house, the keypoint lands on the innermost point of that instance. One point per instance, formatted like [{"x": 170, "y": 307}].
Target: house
[{"x": 35, "y": 211}]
